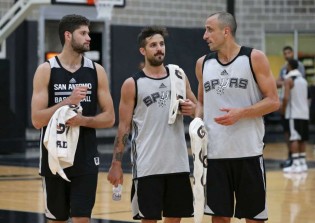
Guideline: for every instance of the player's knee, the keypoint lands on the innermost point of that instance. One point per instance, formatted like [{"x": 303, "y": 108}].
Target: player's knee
[
  {"x": 172, "y": 220},
  {"x": 216, "y": 219}
]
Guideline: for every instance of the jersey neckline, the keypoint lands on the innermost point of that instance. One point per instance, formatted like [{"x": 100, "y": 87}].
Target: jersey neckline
[{"x": 58, "y": 61}]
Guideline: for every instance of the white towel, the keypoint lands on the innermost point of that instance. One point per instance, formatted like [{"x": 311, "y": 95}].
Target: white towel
[
  {"x": 61, "y": 141},
  {"x": 178, "y": 90},
  {"x": 199, "y": 139}
]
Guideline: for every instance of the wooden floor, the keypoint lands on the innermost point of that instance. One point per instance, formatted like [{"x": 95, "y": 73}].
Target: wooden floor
[{"x": 291, "y": 198}]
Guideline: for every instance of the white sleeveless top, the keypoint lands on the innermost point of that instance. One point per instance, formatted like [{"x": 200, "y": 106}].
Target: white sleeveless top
[
  {"x": 231, "y": 85},
  {"x": 157, "y": 147},
  {"x": 297, "y": 107}
]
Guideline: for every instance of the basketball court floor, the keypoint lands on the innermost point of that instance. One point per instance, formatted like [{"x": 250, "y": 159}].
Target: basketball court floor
[{"x": 291, "y": 197}]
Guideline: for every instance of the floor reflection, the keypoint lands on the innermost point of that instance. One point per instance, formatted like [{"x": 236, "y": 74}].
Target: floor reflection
[{"x": 28, "y": 217}]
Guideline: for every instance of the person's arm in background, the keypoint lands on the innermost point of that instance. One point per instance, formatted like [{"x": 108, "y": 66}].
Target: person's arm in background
[
  {"x": 279, "y": 80},
  {"x": 301, "y": 68}
]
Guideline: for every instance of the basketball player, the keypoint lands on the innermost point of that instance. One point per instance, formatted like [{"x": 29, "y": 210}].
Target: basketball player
[
  {"x": 70, "y": 78},
  {"x": 296, "y": 112},
  {"x": 159, "y": 153},
  {"x": 236, "y": 88},
  {"x": 288, "y": 54}
]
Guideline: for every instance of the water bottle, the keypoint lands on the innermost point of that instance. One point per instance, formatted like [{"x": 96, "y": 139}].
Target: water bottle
[{"x": 117, "y": 192}]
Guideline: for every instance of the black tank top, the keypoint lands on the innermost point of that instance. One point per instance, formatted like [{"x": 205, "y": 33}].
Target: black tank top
[{"x": 61, "y": 84}]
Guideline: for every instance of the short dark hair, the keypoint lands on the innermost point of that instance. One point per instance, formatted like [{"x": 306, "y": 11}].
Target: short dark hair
[
  {"x": 150, "y": 31},
  {"x": 293, "y": 64},
  {"x": 287, "y": 48},
  {"x": 226, "y": 19},
  {"x": 70, "y": 23}
]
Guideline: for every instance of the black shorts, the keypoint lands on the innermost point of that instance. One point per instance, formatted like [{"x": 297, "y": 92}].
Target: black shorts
[
  {"x": 241, "y": 179},
  {"x": 169, "y": 194},
  {"x": 65, "y": 199},
  {"x": 297, "y": 128}
]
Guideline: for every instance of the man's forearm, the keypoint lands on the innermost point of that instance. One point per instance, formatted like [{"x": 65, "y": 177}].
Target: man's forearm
[{"x": 119, "y": 145}]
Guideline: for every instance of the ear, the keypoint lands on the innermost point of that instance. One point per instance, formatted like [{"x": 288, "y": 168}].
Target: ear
[
  {"x": 67, "y": 35},
  {"x": 142, "y": 51},
  {"x": 226, "y": 30}
]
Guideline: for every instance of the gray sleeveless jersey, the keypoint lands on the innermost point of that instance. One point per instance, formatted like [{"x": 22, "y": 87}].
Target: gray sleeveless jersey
[
  {"x": 231, "y": 85},
  {"x": 157, "y": 147}
]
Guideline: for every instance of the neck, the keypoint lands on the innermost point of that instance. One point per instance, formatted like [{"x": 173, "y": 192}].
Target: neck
[
  {"x": 156, "y": 72},
  {"x": 228, "y": 53},
  {"x": 70, "y": 60}
]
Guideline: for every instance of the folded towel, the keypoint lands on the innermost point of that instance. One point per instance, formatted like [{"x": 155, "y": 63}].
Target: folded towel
[
  {"x": 178, "y": 90},
  {"x": 61, "y": 140},
  {"x": 199, "y": 140}
]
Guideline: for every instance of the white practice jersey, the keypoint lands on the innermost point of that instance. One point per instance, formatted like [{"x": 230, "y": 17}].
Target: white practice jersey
[
  {"x": 231, "y": 85},
  {"x": 157, "y": 147},
  {"x": 297, "y": 107}
]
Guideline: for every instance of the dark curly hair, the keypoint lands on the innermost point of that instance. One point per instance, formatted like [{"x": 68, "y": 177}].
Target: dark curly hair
[
  {"x": 70, "y": 23},
  {"x": 150, "y": 31}
]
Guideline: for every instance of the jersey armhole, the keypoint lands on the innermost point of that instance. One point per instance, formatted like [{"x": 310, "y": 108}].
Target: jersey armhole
[
  {"x": 49, "y": 73},
  {"x": 135, "y": 77},
  {"x": 248, "y": 52},
  {"x": 96, "y": 78},
  {"x": 210, "y": 55}
]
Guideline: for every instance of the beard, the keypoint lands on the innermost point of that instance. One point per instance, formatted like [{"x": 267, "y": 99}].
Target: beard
[
  {"x": 157, "y": 60},
  {"x": 79, "y": 48}
]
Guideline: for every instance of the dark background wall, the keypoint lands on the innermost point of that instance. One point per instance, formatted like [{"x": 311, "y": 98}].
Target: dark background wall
[
  {"x": 15, "y": 86},
  {"x": 183, "y": 47}
]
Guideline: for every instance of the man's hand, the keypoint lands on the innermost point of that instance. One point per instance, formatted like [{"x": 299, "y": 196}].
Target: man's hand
[
  {"x": 115, "y": 174},
  {"x": 231, "y": 117},
  {"x": 78, "y": 94},
  {"x": 187, "y": 107},
  {"x": 77, "y": 120}
]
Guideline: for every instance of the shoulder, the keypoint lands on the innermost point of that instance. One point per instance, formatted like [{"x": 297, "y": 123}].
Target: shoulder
[
  {"x": 43, "y": 70},
  {"x": 300, "y": 63},
  {"x": 42, "y": 76},
  {"x": 98, "y": 66},
  {"x": 199, "y": 66},
  {"x": 137, "y": 76},
  {"x": 288, "y": 82},
  {"x": 128, "y": 88},
  {"x": 209, "y": 56},
  {"x": 100, "y": 71},
  {"x": 200, "y": 62},
  {"x": 257, "y": 54},
  {"x": 245, "y": 50},
  {"x": 258, "y": 59},
  {"x": 88, "y": 63},
  {"x": 129, "y": 82},
  {"x": 201, "y": 59}
]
